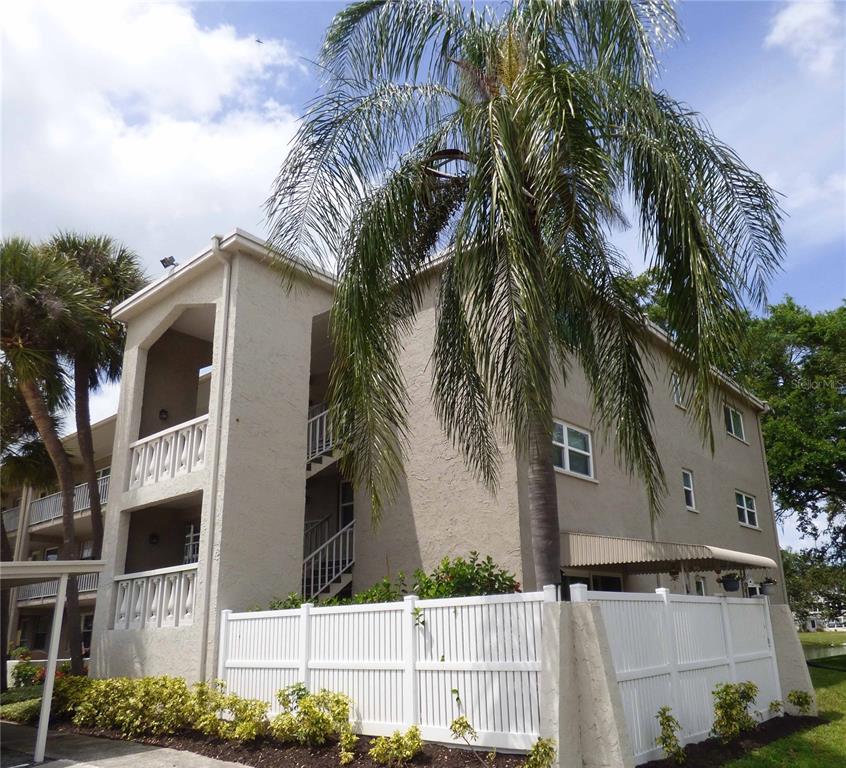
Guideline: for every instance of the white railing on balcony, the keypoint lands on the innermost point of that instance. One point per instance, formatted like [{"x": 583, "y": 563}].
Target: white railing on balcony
[
  {"x": 46, "y": 589},
  {"x": 154, "y": 599},
  {"x": 170, "y": 453},
  {"x": 50, "y": 507},
  {"x": 10, "y": 519},
  {"x": 319, "y": 432},
  {"x": 329, "y": 561}
]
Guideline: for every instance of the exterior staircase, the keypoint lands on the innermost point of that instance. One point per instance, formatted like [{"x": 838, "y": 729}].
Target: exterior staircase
[
  {"x": 320, "y": 448},
  {"x": 328, "y": 569}
]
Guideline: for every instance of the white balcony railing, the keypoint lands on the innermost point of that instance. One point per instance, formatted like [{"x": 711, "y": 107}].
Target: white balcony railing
[
  {"x": 10, "y": 519},
  {"x": 168, "y": 454},
  {"x": 154, "y": 599},
  {"x": 46, "y": 589},
  {"x": 319, "y": 433},
  {"x": 50, "y": 507}
]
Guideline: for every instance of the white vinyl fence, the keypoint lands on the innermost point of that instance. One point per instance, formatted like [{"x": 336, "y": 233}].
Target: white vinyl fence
[
  {"x": 419, "y": 662},
  {"x": 673, "y": 649}
]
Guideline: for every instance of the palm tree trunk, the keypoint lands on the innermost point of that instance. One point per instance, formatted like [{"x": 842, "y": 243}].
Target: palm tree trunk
[
  {"x": 64, "y": 472},
  {"x": 543, "y": 508},
  {"x": 81, "y": 377}
]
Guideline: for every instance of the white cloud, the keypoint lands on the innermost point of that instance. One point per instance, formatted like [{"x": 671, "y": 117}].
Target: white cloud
[
  {"x": 132, "y": 120},
  {"x": 812, "y": 32}
]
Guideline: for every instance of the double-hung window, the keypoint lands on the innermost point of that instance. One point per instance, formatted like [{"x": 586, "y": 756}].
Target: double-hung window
[
  {"x": 687, "y": 485},
  {"x": 676, "y": 389},
  {"x": 572, "y": 449},
  {"x": 747, "y": 514},
  {"x": 734, "y": 422},
  {"x": 191, "y": 547}
]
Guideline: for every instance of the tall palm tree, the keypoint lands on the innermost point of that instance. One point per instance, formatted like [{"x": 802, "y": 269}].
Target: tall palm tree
[
  {"x": 45, "y": 299},
  {"x": 115, "y": 274},
  {"x": 491, "y": 149}
]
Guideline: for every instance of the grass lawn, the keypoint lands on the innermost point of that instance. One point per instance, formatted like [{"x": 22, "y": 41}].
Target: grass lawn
[
  {"x": 820, "y": 747},
  {"x": 825, "y": 639},
  {"x": 21, "y": 704}
]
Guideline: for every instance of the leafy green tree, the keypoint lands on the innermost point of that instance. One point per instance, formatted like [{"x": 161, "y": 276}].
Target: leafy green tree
[
  {"x": 115, "y": 274},
  {"x": 796, "y": 361},
  {"x": 44, "y": 299},
  {"x": 814, "y": 584},
  {"x": 488, "y": 150}
]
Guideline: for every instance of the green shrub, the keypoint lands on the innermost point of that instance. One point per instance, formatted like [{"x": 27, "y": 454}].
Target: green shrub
[
  {"x": 13, "y": 695},
  {"x": 802, "y": 700},
  {"x": 397, "y": 749},
  {"x": 464, "y": 578},
  {"x": 731, "y": 709},
  {"x": 24, "y": 674},
  {"x": 291, "y": 600},
  {"x": 775, "y": 707},
  {"x": 21, "y": 653},
  {"x": 313, "y": 719},
  {"x": 221, "y": 715},
  {"x": 26, "y": 711},
  {"x": 667, "y": 738},
  {"x": 69, "y": 692},
  {"x": 542, "y": 754}
]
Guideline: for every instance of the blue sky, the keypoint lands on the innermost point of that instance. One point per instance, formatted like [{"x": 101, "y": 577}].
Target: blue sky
[{"x": 163, "y": 123}]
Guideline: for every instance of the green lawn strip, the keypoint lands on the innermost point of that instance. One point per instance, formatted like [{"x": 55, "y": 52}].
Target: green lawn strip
[
  {"x": 830, "y": 662},
  {"x": 25, "y": 711},
  {"x": 821, "y": 747},
  {"x": 826, "y": 639},
  {"x": 20, "y": 694}
]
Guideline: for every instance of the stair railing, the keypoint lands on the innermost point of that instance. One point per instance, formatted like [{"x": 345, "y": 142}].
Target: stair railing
[
  {"x": 319, "y": 433},
  {"x": 329, "y": 561},
  {"x": 316, "y": 532}
]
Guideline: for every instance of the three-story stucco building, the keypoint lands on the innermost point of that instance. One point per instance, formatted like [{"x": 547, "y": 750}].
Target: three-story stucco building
[{"x": 226, "y": 491}]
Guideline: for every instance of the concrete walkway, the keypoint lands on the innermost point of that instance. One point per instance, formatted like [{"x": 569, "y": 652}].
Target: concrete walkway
[{"x": 69, "y": 749}]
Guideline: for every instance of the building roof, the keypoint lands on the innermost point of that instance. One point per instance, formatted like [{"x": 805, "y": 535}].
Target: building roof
[{"x": 586, "y": 550}]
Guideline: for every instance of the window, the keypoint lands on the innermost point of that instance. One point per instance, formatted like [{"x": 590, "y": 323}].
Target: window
[
  {"x": 191, "y": 552},
  {"x": 734, "y": 422},
  {"x": 753, "y": 590},
  {"x": 86, "y": 550},
  {"x": 699, "y": 586},
  {"x": 571, "y": 450},
  {"x": 104, "y": 472},
  {"x": 687, "y": 485},
  {"x": 602, "y": 583},
  {"x": 346, "y": 509},
  {"x": 746, "y": 512},
  {"x": 676, "y": 389},
  {"x": 39, "y": 637},
  {"x": 51, "y": 554}
]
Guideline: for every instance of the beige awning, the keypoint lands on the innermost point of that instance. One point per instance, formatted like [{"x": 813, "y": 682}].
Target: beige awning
[{"x": 586, "y": 550}]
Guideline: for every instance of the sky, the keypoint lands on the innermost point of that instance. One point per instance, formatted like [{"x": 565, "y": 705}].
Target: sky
[{"x": 165, "y": 123}]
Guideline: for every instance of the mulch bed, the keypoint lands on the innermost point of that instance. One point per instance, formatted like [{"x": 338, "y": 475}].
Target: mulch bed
[
  {"x": 713, "y": 753},
  {"x": 269, "y": 754}
]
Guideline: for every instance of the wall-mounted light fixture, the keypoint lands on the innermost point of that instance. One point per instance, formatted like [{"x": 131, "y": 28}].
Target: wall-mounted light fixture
[{"x": 163, "y": 414}]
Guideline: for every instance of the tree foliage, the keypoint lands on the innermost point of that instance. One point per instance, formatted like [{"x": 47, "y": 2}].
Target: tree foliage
[{"x": 814, "y": 584}]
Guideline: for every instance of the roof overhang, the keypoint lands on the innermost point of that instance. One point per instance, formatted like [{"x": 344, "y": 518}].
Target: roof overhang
[
  {"x": 20, "y": 572},
  {"x": 587, "y": 550}
]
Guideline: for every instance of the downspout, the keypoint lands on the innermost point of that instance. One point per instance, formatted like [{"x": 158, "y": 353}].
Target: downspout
[{"x": 226, "y": 260}]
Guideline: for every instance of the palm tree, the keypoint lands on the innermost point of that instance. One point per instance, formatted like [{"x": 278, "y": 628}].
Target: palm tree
[
  {"x": 490, "y": 150},
  {"x": 115, "y": 274},
  {"x": 45, "y": 299}
]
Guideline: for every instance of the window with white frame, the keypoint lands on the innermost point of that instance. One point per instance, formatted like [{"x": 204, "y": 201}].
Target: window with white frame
[
  {"x": 86, "y": 550},
  {"x": 572, "y": 449},
  {"x": 753, "y": 589},
  {"x": 676, "y": 389},
  {"x": 699, "y": 586},
  {"x": 734, "y": 422},
  {"x": 687, "y": 485},
  {"x": 104, "y": 472},
  {"x": 191, "y": 551},
  {"x": 346, "y": 503},
  {"x": 746, "y": 511}
]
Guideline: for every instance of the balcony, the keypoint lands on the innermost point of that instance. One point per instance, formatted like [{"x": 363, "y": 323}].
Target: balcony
[
  {"x": 49, "y": 508},
  {"x": 170, "y": 453},
  {"x": 11, "y": 518},
  {"x": 48, "y": 589},
  {"x": 319, "y": 432},
  {"x": 156, "y": 599}
]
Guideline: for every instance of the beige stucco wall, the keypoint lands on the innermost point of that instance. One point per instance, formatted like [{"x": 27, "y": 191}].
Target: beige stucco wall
[
  {"x": 167, "y": 524},
  {"x": 615, "y": 504},
  {"x": 440, "y": 510},
  {"x": 792, "y": 670}
]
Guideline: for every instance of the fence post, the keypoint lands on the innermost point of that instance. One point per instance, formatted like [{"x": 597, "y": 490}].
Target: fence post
[
  {"x": 578, "y": 593},
  {"x": 305, "y": 642},
  {"x": 724, "y": 613},
  {"x": 550, "y": 593},
  {"x": 409, "y": 654},
  {"x": 223, "y": 645},
  {"x": 672, "y": 653}
]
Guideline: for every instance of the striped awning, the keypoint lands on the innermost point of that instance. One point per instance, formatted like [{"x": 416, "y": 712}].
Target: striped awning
[{"x": 585, "y": 550}]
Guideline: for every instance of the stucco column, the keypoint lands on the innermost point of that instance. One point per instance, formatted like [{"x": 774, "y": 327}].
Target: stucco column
[{"x": 792, "y": 669}]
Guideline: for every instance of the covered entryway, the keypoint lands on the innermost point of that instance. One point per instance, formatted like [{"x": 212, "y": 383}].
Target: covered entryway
[{"x": 18, "y": 574}]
